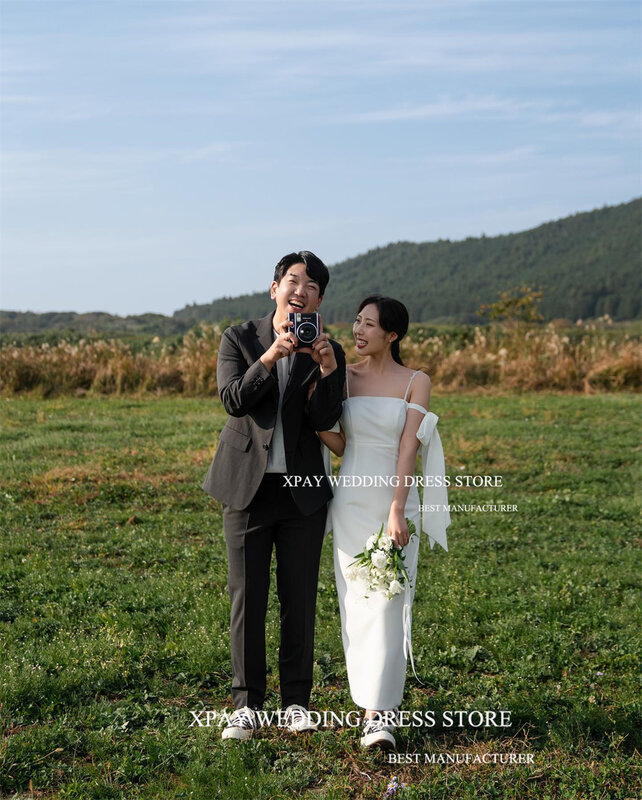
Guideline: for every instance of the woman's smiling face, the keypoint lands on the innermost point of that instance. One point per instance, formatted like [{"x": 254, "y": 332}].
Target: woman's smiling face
[{"x": 369, "y": 336}]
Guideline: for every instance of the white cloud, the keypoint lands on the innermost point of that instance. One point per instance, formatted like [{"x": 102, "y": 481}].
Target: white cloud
[
  {"x": 528, "y": 161},
  {"x": 389, "y": 42},
  {"x": 471, "y": 105},
  {"x": 616, "y": 123},
  {"x": 62, "y": 171},
  {"x": 610, "y": 119}
]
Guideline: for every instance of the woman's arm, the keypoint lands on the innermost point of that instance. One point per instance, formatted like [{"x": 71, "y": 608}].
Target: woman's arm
[
  {"x": 408, "y": 446},
  {"x": 334, "y": 441}
]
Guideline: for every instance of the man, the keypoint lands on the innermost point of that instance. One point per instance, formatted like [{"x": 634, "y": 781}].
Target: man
[{"x": 278, "y": 395}]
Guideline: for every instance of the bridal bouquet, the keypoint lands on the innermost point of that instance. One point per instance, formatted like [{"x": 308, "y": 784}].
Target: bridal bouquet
[{"x": 380, "y": 566}]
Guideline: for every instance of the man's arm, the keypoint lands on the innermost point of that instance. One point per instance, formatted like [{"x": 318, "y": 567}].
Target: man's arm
[
  {"x": 239, "y": 386},
  {"x": 327, "y": 398}
]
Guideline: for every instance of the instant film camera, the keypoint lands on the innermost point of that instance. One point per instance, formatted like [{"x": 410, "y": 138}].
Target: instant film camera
[{"x": 306, "y": 327}]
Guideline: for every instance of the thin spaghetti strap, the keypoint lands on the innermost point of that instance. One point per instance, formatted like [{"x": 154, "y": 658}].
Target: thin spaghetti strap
[
  {"x": 412, "y": 377},
  {"x": 347, "y": 389}
]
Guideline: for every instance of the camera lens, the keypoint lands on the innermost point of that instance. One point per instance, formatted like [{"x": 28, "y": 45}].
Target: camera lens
[{"x": 306, "y": 333}]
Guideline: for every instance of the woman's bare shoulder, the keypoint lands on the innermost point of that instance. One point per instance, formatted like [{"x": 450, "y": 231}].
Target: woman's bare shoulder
[
  {"x": 420, "y": 390},
  {"x": 421, "y": 379},
  {"x": 355, "y": 369}
]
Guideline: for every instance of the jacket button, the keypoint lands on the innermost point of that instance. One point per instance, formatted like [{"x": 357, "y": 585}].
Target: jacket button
[{"x": 266, "y": 446}]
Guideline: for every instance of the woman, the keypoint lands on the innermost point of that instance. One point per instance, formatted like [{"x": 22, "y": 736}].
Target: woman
[{"x": 385, "y": 419}]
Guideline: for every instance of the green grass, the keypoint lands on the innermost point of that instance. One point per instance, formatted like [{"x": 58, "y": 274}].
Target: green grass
[{"x": 114, "y": 612}]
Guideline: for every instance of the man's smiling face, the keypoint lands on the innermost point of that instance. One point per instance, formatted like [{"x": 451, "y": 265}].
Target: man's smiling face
[{"x": 297, "y": 291}]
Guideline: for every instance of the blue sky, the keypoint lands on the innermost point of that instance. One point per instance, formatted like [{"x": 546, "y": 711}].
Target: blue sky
[{"x": 160, "y": 153}]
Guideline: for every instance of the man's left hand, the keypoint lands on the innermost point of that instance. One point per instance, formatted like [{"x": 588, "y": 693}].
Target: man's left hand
[{"x": 323, "y": 353}]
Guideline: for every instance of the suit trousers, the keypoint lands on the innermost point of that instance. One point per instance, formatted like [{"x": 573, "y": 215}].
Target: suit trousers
[{"x": 272, "y": 520}]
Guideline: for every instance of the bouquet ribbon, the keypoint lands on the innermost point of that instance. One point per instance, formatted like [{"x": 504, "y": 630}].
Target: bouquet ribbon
[{"x": 407, "y": 630}]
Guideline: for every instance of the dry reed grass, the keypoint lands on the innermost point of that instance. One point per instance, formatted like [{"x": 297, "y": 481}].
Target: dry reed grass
[{"x": 508, "y": 358}]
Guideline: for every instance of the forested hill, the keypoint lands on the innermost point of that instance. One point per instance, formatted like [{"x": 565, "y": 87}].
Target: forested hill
[
  {"x": 586, "y": 265},
  {"x": 97, "y": 322}
]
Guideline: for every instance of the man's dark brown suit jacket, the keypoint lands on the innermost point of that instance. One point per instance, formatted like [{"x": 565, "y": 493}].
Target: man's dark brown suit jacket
[{"x": 250, "y": 395}]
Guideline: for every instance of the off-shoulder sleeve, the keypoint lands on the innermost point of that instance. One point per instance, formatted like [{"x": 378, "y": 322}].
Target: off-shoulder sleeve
[{"x": 435, "y": 516}]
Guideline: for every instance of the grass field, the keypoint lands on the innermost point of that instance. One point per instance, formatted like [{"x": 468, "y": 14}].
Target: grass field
[{"x": 114, "y": 613}]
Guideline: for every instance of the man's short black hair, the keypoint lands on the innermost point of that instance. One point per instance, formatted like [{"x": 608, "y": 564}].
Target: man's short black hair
[{"x": 314, "y": 268}]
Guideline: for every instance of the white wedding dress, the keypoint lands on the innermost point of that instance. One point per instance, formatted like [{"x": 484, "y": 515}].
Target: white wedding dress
[{"x": 376, "y": 630}]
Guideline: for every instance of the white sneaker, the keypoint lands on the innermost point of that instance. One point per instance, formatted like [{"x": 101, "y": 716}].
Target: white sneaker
[
  {"x": 376, "y": 733},
  {"x": 242, "y": 725},
  {"x": 298, "y": 719}
]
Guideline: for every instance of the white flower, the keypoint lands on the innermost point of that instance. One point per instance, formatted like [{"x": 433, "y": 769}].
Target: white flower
[{"x": 377, "y": 568}]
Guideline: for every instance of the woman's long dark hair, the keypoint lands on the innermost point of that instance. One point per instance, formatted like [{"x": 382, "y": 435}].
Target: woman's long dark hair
[{"x": 393, "y": 318}]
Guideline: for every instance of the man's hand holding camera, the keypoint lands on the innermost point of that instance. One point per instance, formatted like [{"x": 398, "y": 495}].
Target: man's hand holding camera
[
  {"x": 282, "y": 346},
  {"x": 323, "y": 353},
  {"x": 286, "y": 343}
]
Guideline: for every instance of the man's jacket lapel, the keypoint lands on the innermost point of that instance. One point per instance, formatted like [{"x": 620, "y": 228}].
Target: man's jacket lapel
[{"x": 302, "y": 373}]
